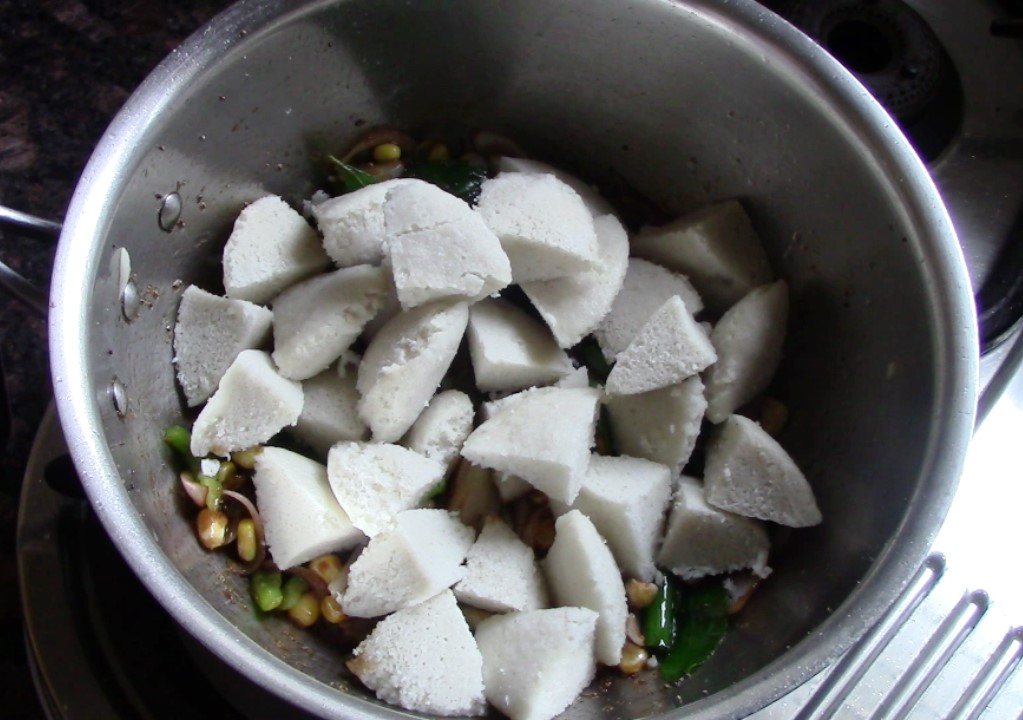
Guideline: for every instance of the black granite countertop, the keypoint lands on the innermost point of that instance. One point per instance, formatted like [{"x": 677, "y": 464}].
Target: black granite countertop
[{"x": 66, "y": 68}]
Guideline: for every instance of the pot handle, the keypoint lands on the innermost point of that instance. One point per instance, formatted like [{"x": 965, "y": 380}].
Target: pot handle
[{"x": 10, "y": 280}]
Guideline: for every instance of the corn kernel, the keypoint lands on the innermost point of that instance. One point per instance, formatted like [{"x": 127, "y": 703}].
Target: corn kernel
[
  {"x": 634, "y": 658},
  {"x": 439, "y": 151},
  {"x": 640, "y": 594},
  {"x": 211, "y": 526},
  {"x": 246, "y": 458},
  {"x": 387, "y": 152},
  {"x": 773, "y": 415},
  {"x": 306, "y": 611},
  {"x": 246, "y": 542},
  {"x": 331, "y": 610},
  {"x": 327, "y": 567}
]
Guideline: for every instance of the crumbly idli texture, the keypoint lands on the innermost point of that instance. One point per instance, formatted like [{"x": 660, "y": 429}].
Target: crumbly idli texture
[
  {"x": 404, "y": 364},
  {"x": 270, "y": 248},
  {"x": 462, "y": 259},
  {"x": 670, "y": 347},
  {"x": 748, "y": 340},
  {"x": 424, "y": 659},
  {"x": 330, "y": 412},
  {"x": 301, "y": 518},
  {"x": 251, "y": 405},
  {"x": 501, "y": 573},
  {"x": 209, "y": 333},
  {"x": 582, "y": 572},
  {"x": 438, "y": 433},
  {"x": 701, "y": 540},
  {"x": 417, "y": 205},
  {"x": 626, "y": 499},
  {"x": 353, "y": 224},
  {"x": 660, "y": 425},
  {"x": 748, "y": 473},
  {"x": 644, "y": 289},
  {"x": 414, "y": 560},
  {"x": 716, "y": 247},
  {"x": 591, "y": 197},
  {"x": 575, "y": 305},
  {"x": 317, "y": 320},
  {"x": 376, "y": 481},
  {"x": 536, "y": 663},
  {"x": 543, "y": 225},
  {"x": 510, "y": 350},
  {"x": 543, "y": 437}
]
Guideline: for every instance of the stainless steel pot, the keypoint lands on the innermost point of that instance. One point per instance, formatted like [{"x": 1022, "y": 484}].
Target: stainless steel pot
[{"x": 689, "y": 101}]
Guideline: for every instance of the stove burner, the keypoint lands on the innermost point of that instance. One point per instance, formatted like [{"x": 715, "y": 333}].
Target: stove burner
[{"x": 896, "y": 55}]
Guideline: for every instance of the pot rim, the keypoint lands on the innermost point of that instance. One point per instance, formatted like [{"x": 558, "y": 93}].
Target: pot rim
[{"x": 77, "y": 264}]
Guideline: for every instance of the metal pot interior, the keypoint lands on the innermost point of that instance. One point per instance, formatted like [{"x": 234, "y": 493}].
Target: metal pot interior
[{"x": 688, "y": 102}]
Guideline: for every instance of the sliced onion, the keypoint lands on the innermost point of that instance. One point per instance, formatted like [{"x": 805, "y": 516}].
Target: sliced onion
[
  {"x": 257, "y": 523},
  {"x": 195, "y": 491},
  {"x": 317, "y": 584},
  {"x": 384, "y": 170}
]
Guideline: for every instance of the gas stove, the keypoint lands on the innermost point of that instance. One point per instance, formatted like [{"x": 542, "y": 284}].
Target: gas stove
[{"x": 951, "y": 75}]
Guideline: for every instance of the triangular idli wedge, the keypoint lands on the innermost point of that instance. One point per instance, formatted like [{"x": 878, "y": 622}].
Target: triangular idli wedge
[
  {"x": 270, "y": 248},
  {"x": 209, "y": 333},
  {"x": 536, "y": 663},
  {"x": 438, "y": 433},
  {"x": 543, "y": 225},
  {"x": 501, "y": 573},
  {"x": 670, "y": 347},
  {"x": 645, "y": 288},
  {"x": 510, "y": 350},
  {"x": 544, "y": 437},
  {"x": 375, "y": 481},
  {"x": 424, "y": 659},
  {"x": 573, "y": 306},
  {"x": 626, "y": 499},
  {"x": 660, "y": 425},
  {"x": 404, "y": 364},
  {"x": 330, "y": 412},
  {"x": 407, "y": 564},
  {"x": 595, "y": 202},
  {"x": 301, "y": 518},
  {"x": 251, "y": 405},
  {"x": 716, "y": 247},
  {"x": 459, "y": 257},
  {"x": 701, "y": 540},
  {"x": 747, "y": 472},
  {"x": 318, "y": 319},
  {"x": 353, "y": 224},
  {"x": 748, "y": 340},
  {"x": 582, "y": 572}
]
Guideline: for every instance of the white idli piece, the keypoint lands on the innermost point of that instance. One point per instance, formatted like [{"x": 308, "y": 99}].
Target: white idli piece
[
  {"x": 301, "y": 518},
  {"x": 595, "y": 202},
  {"x": 270, "y": 248},
  {"x": 644, "y": 290},
  {"x": 626, "y": 499},
  {"x": 581, "y": 572},
  {"x": 353, "y": 224},
  {"x": 330, "y": 412},
  {"x": 575, "y": 305},
  {"x": 510, "y": 350},
  {"x": 669, "y": 348},
  {"x": 404, "y": 364},
  {"x": 660, "y": 425},
  {"x": 209, "y": 333},
  {"x": 748, "y": 340},
  {"x": 418, "y": 205},
  {"x": 317, "y": 320},
  {"x": 748, "y": 473},
  {"x": 716, "y": 247},
  {"x": 702, "y": 540},
  {"x": 251, "y": 405},
  {"x": 543, "y": 225},
  {"x": 424, "y": 659},
  {"x": 578, "y": 378},
  {"x": 544, "y": 438},
  {"x": 536, "y": 663},
  {"x": 501, "y": 573},
  {"x": 407, "y": 564},
  {"x": 375, "y": 481},
  {"x": 438, "y": 433}
]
